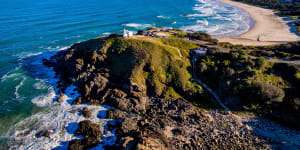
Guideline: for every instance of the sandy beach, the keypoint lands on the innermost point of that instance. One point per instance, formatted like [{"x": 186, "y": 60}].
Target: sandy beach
[{"x": 268, "y": 28}]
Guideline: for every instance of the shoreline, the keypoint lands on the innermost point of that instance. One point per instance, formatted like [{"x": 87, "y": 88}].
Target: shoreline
[{"x": 270, "y": 28}]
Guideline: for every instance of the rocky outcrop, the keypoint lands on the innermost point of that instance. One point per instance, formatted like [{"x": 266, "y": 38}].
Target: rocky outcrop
[{"x": 91, "y": 133}]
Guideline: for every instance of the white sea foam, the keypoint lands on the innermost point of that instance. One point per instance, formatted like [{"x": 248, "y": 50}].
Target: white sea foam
[
  {"x": 63, "y": 48},
  {"x": 23, "y": 55},
  {"x": 163, "y": 17},
  {"x": 106, "y": 33},
  {"x": 45, "y": 100},
  {"x": 217, "y": 19},
  {"x": 204, "y": 22},
  {"x": 41, "y": 84},
  {"x": 62, "y": 119},
  {"x": 200, "y": 27},
  {"x": 201, "y": 1},
  {"x": 137, "y": 26},
  {"x": 18, "y": 87},
  {"x": 10, "y": 74}
]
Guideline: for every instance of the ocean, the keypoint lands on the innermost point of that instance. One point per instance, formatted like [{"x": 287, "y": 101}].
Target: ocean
[{"x": 33, "y": 29}]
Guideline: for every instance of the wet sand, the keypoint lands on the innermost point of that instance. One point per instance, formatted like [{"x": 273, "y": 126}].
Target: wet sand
[{"x": 268, "y": 29}]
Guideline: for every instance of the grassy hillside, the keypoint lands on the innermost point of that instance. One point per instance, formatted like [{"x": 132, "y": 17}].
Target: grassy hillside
[
  {"x": 153, "y": 63},
  {"x": 158, "y": 67}
]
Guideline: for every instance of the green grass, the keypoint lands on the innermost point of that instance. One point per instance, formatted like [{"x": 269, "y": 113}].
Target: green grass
[
  {"x": 183, "y": 45},
  {"x": 153, "y": 63}
]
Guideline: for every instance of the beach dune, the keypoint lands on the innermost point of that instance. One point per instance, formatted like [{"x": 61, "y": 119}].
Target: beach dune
[{"x": 268, "y": 28}]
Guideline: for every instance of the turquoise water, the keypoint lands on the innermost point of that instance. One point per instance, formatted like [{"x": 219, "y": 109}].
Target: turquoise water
[{"x": 33, "y": 29}]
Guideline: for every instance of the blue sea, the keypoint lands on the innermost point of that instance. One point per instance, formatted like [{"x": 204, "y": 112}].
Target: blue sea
[{"x": 31, "y": 30}]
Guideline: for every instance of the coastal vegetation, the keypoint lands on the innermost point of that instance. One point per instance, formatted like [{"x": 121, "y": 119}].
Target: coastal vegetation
[
  {"x": 202, "y": 37},
  {"x": 264, "y": 87},
  {"x": 283, "y": 51}
]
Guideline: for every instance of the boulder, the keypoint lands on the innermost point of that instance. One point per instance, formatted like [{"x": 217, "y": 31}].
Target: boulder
[
  {"x": 89, "y": 130},
  {"x": 91, "y": 133},
  {"x": 115, "y": 114},
  {"x": 86, "y": 112},
  {"x": 127, "y": 143},
  {"x": 128, "y": 125},
  {"x": 119, "y": 93},
  {"x": 77, "y": 144},
  {"x": 45, "y": 133},
  {"x": 60, "y": 98}
]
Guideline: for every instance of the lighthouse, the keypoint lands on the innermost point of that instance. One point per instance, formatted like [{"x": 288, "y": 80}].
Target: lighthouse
[{"x": 127, "y": 33}]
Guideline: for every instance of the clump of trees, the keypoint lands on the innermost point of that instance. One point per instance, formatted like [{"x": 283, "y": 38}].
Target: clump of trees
[
  {"x": 202, "y": 37},
  {"x": 272, "y": 86},
  {"x": 290, "y": 50}
]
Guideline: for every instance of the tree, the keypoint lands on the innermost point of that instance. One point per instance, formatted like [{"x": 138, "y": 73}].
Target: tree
[
  {"x": 201, "y": 68},
  {"x": 260, "y": 63}
]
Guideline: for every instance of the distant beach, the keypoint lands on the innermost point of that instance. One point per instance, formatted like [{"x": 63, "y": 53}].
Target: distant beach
[{"x": 268, "y": 29}]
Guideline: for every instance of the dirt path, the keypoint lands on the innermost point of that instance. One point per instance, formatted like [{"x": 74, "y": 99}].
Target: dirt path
[{"x": 212, "y": 93}]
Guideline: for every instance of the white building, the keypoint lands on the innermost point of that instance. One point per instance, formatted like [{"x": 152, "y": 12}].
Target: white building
[{"x": 127, "y": 33}]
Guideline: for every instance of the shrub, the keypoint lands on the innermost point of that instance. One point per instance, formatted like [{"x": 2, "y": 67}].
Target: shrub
[
  {"x": 260, "y": 63},
  {"x": 202, "y": 37},
  {"x": 268, "y": 93}
]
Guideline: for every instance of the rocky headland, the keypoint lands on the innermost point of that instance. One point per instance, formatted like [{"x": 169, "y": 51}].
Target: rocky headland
[{"x": 149, "y": 84}]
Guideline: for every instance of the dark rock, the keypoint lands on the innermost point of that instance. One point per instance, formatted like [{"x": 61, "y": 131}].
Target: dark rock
[
  {"x": 119, "y": 93},
  {"x": 136, "y": 88},
  {"x": 82, "y": 144},
  {"x": 79, "y": 64},
  {"x": 48, "y": 63},
  {"x": 46, "y": 133},
  {"x": 128, "y": 125},
  {"x": 77, "y": 144},
  {"x": 60, "y": 98},
  {"x": 110, "y": 126},
  {"x": 177, "y": 131},
  {"x": 91, "y": 133},
  {"x": 89, "y": 130},
  {"x": 135, "y": 94},
  {"x": 86, "y": 112},
  {"x": 115, "y": 114}
]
